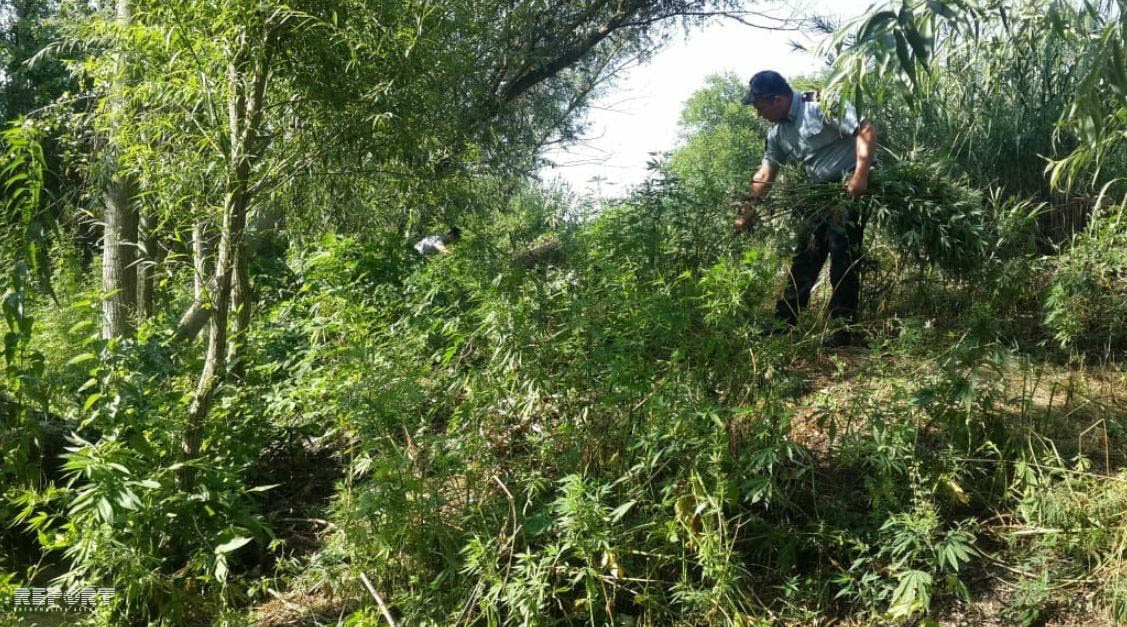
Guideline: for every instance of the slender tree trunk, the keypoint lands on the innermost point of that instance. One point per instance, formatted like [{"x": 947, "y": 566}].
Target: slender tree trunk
[
  {"x": 196, "y": 317},
  {"x": 119, "y": 240},
  {"x": 119, "y": 247},
  {"x": 234, "y": 216},
  {"x": 242, "y": 301},
  {"x": 245, "y": 112},
  {"x": 199, "y": 261},
  {"x": 147, "y": 260}
]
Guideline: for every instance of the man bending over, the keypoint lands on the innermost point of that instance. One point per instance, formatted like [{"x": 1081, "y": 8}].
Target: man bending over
[{"x": 830, "y": 150}]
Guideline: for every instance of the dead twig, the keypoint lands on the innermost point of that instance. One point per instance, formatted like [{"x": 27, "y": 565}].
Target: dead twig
[
  {"x": 379, "y": 600},
  {"x": 513, "y": 537}
]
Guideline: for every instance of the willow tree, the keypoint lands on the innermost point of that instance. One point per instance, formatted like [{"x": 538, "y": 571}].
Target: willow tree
[
  {"x": 234, "y": 101},
  {"x": 119, "y": 240},
  {"x": 416, "y": 89}
]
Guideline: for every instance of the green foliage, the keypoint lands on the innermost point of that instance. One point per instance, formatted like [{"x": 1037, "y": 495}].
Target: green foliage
[
  {"x": 721, "y": 142},
  {"x": 596, "y": 441},
  {"x": 599, "y": 438},
  {"x": 26, "y": 81},
  {"x": 923, "y": 210},
  {"x": 122, "y": 519},
  {"x": 929, "y": 214},
  {"x": 593, "y": 467},
  {"x": 1086, "y": 299},
  {"x": 23, "y": 395},
  {"x": 1000, "y": 87},
  {"x": 22, "y": 169},
  {"x": 1079, "y": 518},
  {"x": 23, "y": 398}
]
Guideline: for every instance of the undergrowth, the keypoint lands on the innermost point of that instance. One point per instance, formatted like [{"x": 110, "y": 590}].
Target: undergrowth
[
  {"x": 596, "y": 435},
  {"x": 603, "y": 441}
]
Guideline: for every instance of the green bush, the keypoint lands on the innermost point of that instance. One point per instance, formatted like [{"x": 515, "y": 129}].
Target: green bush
[{"x": 1086, "y": 299}]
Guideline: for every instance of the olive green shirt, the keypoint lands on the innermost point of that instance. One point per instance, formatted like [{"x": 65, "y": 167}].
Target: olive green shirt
[{"x": 825, "y": 146}]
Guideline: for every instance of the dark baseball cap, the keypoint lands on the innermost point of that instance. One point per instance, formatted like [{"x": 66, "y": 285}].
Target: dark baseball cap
[{"x": 764, "y": 84}]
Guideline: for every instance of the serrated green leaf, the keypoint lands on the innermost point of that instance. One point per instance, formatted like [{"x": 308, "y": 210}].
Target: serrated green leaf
[
  {"x": 127, "y": 499},
  {"x": 913, "y": 594},
  {"x": 118, "y": 467},
  {"x": 105, "y": 509},
  {"x": 620, "y": 511}
]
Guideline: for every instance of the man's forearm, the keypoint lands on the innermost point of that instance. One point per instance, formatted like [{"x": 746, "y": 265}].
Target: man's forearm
[
  {"x": 745, "y": 209},
  {"x": 866, "y": 138}
]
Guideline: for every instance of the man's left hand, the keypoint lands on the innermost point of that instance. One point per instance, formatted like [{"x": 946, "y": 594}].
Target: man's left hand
[{"x": 857, "y": 184}]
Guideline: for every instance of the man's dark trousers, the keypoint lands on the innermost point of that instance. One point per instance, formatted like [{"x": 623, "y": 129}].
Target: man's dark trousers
[{"x": 840, "y": 237}]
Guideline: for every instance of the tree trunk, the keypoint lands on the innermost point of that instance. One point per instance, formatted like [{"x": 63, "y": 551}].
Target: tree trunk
[
  {"x": 195, "y": 318},
  {"x": 245, "y": 113},
  {"x": 119, "y": 240},
  {"x": 241, "y": 301},
  {"x": 119, "y": 246},
  {"x": 198, "y": 313},
  {"x": 199, "y": 261},
  {"x": 234, "y": 216},
  {"x": 147, "y": 260}
]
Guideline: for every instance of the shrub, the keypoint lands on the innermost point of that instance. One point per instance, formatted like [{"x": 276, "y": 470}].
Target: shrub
[{"x": 1086, "y": 299}]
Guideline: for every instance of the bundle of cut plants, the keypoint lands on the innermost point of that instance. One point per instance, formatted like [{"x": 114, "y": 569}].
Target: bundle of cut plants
[{"x": 925, "y": 211}]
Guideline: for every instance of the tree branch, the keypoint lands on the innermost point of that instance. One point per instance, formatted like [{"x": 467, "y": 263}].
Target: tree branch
[{"x": 569, "y": 56}]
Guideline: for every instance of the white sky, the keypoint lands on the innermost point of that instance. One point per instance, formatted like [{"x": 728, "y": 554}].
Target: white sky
[{"x": 638, "y": 115}]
